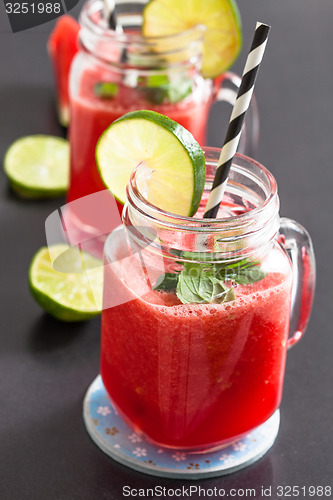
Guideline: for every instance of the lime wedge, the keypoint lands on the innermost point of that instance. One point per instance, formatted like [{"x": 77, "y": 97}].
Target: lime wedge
[
  {"x": 68, "y": 296},
  {"x": 222, "y": 36},
  {"x": 172, "y": 162},
  {"x": 37, "y": 166}
]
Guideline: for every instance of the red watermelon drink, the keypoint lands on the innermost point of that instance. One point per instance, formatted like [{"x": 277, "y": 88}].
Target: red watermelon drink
[
  {"x": 197, "y": 375},
  {"x": 117, "y": 73},
  {"x": 196, "y": 312},
  {"x": 91, "y": 114}
]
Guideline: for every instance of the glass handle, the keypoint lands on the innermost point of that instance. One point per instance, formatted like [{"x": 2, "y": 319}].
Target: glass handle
[
  {"x": 226, "y": 88},
  {"x": 297, "y": 242}
]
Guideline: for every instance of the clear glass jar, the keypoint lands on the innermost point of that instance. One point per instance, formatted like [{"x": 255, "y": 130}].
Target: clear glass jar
[
  {"x": 196, "y": 318},
  {"x": 114, "y": 73}
]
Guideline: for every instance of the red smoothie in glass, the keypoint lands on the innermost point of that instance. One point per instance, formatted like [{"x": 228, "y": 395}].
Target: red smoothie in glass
[
  {"x": 91, "y": 115},
  {"x": 195, "y": 375}
]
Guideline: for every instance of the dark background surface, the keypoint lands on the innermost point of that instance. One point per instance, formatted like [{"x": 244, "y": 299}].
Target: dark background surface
[{"x": 46, "y": 366}]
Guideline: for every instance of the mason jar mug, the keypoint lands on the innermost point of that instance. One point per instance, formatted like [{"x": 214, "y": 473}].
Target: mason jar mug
[{"x": 199, "y": 313}]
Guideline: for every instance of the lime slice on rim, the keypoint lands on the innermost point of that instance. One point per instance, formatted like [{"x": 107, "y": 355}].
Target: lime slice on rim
[
  {"x": 68, "y": 296},
  {"x": 37, "y": 166},
  {"x": 222, "y": 36},
  {"x": 172, "y": 162}
]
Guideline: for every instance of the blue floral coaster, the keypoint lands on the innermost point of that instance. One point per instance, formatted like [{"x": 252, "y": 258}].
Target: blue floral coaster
[{"x": 116, "y": 439}]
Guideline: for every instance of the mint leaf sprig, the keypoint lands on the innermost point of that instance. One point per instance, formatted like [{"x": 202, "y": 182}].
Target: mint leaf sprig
[
  {"x": 207, "y": 282},
  {"x": 155, "y": 88},
  {"x": 160, "y": 88},
  {"x": 197, "y": 283},
  {"x": 106, "y": 90}
]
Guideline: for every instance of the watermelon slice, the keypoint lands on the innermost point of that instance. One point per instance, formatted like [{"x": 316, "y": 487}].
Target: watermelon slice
[{"x": 62, "y": 47}]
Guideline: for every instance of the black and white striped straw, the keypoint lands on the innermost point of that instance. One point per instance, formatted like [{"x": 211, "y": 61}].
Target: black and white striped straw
[{"x": 241, "y": 105}]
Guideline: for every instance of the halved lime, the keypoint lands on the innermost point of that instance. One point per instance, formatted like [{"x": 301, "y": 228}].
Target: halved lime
[
  {"x": 222, "y": 36},
  {"x": 37, "y": 166},
  {"x": 173, "y": 166},
  {"x": 68, "y": 296}
]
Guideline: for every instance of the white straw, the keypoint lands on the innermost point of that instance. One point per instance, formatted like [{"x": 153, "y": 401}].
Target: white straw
[{"x": 109, "y": 13}]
